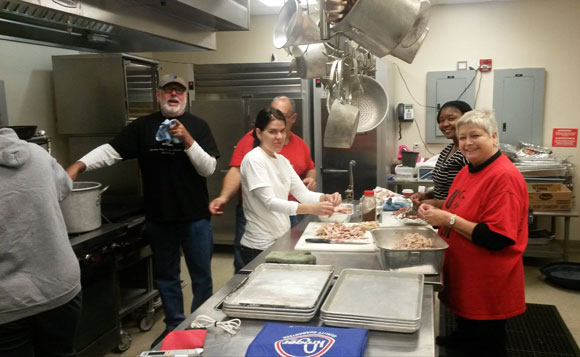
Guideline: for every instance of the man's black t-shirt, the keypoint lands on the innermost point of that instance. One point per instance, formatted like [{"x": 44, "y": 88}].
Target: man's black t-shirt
[{"x": 173, "y": 190}]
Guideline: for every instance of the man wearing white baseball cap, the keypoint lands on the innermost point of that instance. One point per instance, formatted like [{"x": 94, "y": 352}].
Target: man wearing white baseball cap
[{"x": 176, "y": 152}]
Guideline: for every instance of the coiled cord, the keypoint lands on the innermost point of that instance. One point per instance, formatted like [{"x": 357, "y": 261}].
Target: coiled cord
[{"x": 203, "y": 321}]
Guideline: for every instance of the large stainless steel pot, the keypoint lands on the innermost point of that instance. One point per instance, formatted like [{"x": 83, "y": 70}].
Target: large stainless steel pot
[
  {"x": 312, "y": 62},
  {"x": 82, "y": 208},
  {"x": 408, "y": 54},
  {"x": 293, "y": 27},
  {"x": 380, "y": 26}
]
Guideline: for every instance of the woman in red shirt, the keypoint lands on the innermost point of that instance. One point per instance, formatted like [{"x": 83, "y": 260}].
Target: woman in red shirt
[{"x": 484, "y": 221}]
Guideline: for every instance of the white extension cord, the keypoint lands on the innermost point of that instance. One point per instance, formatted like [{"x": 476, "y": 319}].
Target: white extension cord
[{"x": 203, "y": 321}]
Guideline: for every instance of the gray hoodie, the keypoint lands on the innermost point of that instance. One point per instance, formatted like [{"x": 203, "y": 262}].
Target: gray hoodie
[{"x": 38, "y": 268}]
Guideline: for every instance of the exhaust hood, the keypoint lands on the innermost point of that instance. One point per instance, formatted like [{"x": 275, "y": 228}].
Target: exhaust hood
[{"x": 122, "y": 25}]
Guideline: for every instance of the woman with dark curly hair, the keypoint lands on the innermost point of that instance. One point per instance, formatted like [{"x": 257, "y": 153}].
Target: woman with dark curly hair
[{"x": 451, "y": 160}]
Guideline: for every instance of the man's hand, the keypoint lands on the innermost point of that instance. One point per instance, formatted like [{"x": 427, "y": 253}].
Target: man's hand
[
  {"x": 179, "y": 131},
  {"x": 310, "y": 183},
  {"x": 217, "y": 206},
  {"x": 76, "y": 168}
]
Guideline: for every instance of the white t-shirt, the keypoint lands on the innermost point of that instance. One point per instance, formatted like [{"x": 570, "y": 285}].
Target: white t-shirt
[{"x": 266, "y": 182}]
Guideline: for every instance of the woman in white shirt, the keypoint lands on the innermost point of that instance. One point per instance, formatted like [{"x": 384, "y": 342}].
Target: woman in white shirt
[{"x": 267, "y": 179}]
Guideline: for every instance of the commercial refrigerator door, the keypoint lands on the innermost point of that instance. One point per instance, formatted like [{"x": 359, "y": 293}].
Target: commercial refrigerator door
[{"x": 226, "y": 119}]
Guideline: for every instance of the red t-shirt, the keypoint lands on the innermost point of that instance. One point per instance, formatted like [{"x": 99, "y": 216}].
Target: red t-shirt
[
  {"x": 297, "y": 152},
  {"x": 480, "y": 284}
]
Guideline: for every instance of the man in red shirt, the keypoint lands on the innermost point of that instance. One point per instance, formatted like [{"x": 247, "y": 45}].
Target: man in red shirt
[{"x": 295, "y": 150}]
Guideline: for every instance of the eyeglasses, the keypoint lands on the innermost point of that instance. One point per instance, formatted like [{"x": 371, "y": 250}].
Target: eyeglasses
[{"x": 177, "y": 89}]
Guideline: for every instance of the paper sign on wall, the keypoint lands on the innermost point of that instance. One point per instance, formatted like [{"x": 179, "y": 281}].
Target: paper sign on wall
[{"x": 566, "y": 138}]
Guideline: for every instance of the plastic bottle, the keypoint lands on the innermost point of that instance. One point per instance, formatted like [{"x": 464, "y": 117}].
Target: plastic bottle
[
  {"x": 407, "y": 193},
  {"x": 369, "y": 206}
]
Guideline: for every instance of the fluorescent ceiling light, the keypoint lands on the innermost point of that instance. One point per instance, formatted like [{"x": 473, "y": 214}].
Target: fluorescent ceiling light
[{"x": 279, "y": 3}]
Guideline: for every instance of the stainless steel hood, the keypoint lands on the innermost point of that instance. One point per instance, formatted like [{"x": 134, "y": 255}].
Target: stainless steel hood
[{"x": 122, "y": 25}]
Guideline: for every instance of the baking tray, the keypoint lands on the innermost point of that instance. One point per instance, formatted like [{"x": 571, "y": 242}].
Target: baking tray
[
  {"x": 427, "y": 261},
  {"x": 390, "y": 296},
  {"x": 277, "y": 310},
  {"x": 369, "y": 326},
  {"x": 270, "y": 316},
  {"x": 370, "y": 321},
  {"x": 282, "y": 286}
]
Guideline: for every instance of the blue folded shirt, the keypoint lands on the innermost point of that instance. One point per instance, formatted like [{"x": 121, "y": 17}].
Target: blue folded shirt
[
  {"x": 163, "y": 132},
  {"x": 301, "y": 341}
]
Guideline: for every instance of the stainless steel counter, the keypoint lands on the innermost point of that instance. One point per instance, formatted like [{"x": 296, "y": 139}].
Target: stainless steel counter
[
  {"x": 340, "y": 260},
  {"x": 220, "y": 343}
]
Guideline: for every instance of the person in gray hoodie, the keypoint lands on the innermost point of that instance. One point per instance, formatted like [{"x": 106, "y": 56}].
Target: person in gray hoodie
[{"x": 40, "y": 288}]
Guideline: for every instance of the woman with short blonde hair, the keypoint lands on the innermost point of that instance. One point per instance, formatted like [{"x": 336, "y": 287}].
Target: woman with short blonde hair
[{"x": 484, "y": 221}]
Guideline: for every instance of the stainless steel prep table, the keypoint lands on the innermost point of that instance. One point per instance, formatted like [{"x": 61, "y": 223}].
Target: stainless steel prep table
[
  {"x": 220, "y": 343},
  {"x": 340, "y": 260}
]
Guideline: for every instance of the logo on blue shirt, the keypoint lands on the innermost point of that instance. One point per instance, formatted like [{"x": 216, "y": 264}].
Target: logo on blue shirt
[{"x": 304, "y": 345}]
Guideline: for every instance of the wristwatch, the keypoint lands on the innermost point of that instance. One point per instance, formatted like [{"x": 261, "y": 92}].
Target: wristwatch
[{"x": 452, "y": 220}]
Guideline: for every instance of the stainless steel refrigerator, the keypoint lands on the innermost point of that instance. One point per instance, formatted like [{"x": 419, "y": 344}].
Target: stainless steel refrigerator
[{"x": 228, "y": 97}]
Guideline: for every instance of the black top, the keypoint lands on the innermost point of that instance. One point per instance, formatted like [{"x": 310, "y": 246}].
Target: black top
[
  {"x": 173, "y": 190},
  {"x": 445, "y": 171}
]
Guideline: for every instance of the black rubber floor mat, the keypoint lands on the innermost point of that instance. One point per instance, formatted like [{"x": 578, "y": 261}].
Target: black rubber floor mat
[{"x": 539, "y": 332}]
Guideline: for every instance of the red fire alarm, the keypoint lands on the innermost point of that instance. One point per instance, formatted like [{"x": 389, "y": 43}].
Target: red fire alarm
[{"x": 485, "y": 65}]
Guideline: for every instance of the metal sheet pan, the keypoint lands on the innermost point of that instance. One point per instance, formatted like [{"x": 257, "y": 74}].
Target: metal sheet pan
[
  {"x": 369, "y": 321},
  {"x": 285, "y": 286},
  {"x": 390, "y": 296},
  {"x": 277, "y": 310},
  {"x": 370, "y": 326},
  {"x": 271, "y": 316}
]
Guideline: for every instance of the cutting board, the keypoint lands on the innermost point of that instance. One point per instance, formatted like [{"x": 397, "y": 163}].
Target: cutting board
[{"x": 310, "y": 232}]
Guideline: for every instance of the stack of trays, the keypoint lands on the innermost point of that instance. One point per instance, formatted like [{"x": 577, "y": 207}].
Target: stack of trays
[
  {"x": 376, "y": 300},
  {"x": 287, "y": 292}
]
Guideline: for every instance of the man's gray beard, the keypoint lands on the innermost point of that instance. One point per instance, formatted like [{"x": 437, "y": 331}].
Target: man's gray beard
[{"x": 172, "y": 112}]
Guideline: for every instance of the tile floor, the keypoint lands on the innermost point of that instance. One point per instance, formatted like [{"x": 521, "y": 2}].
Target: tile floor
[{"x": 537, "y": 291}]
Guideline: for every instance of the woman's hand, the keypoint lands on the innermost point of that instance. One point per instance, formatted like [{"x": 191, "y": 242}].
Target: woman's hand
[
  {"x": 418, "y": 197},
  {"x": 434, "y": 216},
  {"x": 335, "y": 198},
  {"x": 320, "y": 208}
]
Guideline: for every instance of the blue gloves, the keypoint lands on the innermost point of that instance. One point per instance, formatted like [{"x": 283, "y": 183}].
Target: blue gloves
[
  {"x": 394, "y": 204},
  {"x": 163, "y": 133}
]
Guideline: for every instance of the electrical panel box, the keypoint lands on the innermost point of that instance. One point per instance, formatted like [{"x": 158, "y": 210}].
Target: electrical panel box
[
  {"x": 443, "y": 87},
  {"x": 518, "y": 103}
]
